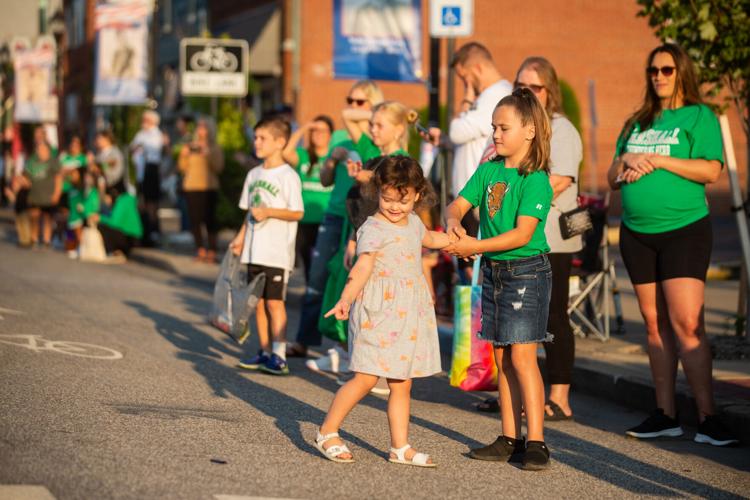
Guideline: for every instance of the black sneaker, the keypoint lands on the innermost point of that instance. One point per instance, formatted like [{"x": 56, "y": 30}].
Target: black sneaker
[
  {"x": 536, "y": 456},
  {"x": 502, "y": 450},
  {"x": 712, "y": 431},
  {"x": 656, "y": 425},
  {"x": 254, "y": 362},
  {"x": 275, "y": 365}
]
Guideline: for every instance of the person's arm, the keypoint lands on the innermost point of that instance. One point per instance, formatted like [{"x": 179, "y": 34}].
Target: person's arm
[
  {"x": 239, "y": 240},
  {"x": 352, "y": 119},
  {"x": 358, "y": 276},
  {"x": 328, "y": 172},
  {"x": 436, "y": 240},
  {"x": 696, "y": 170},
  {"x": 58, "y": 188},
  {"x": 559, "y": 184},
  {"x": 263, "y": 213},
  {"x": 290, "y": 150},
  {"x": 517, "y": 237}
]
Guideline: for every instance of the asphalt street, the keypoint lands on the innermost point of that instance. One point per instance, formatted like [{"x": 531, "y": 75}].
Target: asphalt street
[{"x": 152, "y": 406}]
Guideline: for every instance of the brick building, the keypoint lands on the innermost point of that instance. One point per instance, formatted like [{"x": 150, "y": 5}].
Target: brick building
[{"x": 586, "y": 40}]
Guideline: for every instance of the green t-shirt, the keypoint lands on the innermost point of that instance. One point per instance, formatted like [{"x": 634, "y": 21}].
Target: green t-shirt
[
  {"x": 315, "y": 196},
  {"x": 662, "y": 201},
  {"x": 341, "y": 180},
  {"x": 124, "y": 216},
  {"x": 502, "y": 194},
  {"x": 71, "y": 162},
  {"x": 43, "y": 176},
  {"x": 368, "y": 150},
  {"x": 82, "y": 204}
]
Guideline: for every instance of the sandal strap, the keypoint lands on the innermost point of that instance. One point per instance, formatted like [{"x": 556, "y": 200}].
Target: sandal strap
[
  {"x": 337, "y": 449},
  {"x": 400, "y": 452},
  {"x": 321, "y": 439},
  {"x": 420, "y": 458}
]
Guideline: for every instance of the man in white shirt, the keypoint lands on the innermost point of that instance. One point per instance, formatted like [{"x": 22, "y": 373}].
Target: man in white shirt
[{"x": 471, "y": 129}]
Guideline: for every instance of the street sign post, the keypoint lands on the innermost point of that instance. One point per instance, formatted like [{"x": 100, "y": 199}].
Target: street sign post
[
  {"x": 451, "y": 18},
  {"x": 214, "y": 67}
]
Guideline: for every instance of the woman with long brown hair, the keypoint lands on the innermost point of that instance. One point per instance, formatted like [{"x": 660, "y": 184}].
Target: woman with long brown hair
[{"x": 666, "y": 153}]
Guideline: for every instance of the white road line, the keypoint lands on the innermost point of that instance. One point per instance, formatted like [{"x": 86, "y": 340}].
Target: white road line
[
  {"x": 24, "y": 492},
  {"x": 242, "y": 497}
]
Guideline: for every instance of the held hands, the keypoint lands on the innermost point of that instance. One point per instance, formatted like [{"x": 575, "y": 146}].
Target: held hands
[
  {"x": 636, "y": 165},
  {"x": 340, "y": 310},
  {"x": 462, "y": 245}
]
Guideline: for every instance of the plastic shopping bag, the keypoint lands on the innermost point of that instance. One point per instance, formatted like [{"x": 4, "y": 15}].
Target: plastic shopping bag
[
  {"x": 234, "y": 298},
  {"x": 473, "y": 364},
  {"x": 91, "y": 247}
]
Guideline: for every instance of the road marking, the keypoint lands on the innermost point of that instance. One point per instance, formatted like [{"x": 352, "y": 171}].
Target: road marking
[
  {"x": 24, "y": 492},
  {"x": 38, "y": 344},
  {"x": 11, "y": 312}
]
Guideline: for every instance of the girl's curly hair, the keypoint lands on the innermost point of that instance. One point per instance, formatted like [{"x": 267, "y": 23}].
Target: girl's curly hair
[{"x": 401, "y": 173}]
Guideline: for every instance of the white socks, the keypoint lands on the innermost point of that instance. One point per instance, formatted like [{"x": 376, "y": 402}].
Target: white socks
[{"x": 279, "y": 349}]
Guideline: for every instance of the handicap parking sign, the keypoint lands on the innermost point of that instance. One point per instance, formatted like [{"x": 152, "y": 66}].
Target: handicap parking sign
[
  {"x": 451, "y": 15},
  {"x": 451, "y": 18}
]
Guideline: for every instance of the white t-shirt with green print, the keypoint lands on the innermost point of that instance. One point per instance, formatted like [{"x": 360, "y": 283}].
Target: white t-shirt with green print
[{"x": 271, "y": 242}]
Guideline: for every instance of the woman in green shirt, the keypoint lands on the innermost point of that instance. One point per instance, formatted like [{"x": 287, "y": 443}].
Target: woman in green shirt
[
  {"x": 315, "y": 196},
  {"x": 666, "y": 153}
]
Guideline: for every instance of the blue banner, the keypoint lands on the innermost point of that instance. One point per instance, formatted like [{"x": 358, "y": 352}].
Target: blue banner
[{"x": 378, "y": 40}]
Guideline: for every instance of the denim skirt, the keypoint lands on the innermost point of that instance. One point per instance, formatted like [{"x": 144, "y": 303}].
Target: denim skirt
[{"x": 515, "y": 300}]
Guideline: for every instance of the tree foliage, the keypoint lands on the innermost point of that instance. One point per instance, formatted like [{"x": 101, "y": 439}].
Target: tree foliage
[{"x": 716, "y": 35}]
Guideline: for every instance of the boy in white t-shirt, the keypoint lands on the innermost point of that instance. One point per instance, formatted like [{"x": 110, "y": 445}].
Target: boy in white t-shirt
[{"x": 272, "y": 195}]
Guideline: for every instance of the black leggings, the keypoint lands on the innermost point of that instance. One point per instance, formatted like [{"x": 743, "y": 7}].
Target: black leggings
[
  {"x": 307, "y": 234},
  {"x": 561, "y": 351},
  {"x": 202, "y": 212}
]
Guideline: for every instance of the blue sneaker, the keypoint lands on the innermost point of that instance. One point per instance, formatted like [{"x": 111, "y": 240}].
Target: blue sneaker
[
  {"x": 254, "y": 362},
  {"x": 275, "y": 365}
]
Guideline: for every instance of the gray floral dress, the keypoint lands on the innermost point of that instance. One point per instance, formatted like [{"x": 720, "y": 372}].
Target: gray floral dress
[{"x": 392, "y": 327}]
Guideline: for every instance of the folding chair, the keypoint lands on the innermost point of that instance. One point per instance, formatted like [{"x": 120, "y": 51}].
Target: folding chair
[{"x": 594, "y": 278}]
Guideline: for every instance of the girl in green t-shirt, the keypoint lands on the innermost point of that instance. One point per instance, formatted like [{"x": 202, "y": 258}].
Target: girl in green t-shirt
[
  {"x": 308, "y": 163},
  {"x": 513, "y": 194},
  {"x": 666, "y": 154}
]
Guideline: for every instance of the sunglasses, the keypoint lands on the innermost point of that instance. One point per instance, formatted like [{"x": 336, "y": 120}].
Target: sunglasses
[
  {"x": 358, "y": 102},
  {"x": 653, "y": 71},
  {"x": 537, "y": 89}
]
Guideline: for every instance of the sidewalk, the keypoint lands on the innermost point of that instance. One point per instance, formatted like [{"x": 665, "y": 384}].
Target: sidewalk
[{"x": 616, "y": 370}]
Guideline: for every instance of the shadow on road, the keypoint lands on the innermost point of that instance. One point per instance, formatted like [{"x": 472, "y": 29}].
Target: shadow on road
[{"x": 204, "y": 352}]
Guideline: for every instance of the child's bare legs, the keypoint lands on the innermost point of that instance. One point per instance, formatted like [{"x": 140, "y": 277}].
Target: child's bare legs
[
  {"x": 347, "y": 398},
  {"x": 399, "y": 409},
  {"x": 277, "y": 311},
  {"x": 46, "y": 228},
  {"x": 529, "y": 380},
  {"x": 509, "y": 392},
  {"x": 34, "y": 215},
  {"x": 261, "y": 321}
]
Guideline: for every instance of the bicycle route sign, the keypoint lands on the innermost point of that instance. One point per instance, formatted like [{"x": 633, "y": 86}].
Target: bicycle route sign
[{"x": 214, "y": 67}]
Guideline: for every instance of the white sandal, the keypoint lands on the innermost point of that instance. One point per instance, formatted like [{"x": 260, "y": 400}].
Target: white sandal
[
  {"x": 418, "y": 460},
  {"x": 332, "y": 452}
]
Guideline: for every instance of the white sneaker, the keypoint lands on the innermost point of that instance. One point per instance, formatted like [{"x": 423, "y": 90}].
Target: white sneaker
[{"x": 337, "y": 361}]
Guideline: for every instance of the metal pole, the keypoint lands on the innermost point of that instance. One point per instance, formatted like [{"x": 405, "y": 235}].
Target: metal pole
[
  {"x": 434, "y": 109},
  {"x": 738, "y": 206},
  {"x": 593, "y": 156}
]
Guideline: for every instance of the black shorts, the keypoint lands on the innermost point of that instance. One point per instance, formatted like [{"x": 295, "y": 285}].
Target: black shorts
[
  {"x": 276, "y": 280},
  {"x": 681, "y": 253},
  {"x": 45, "y": 209}
]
